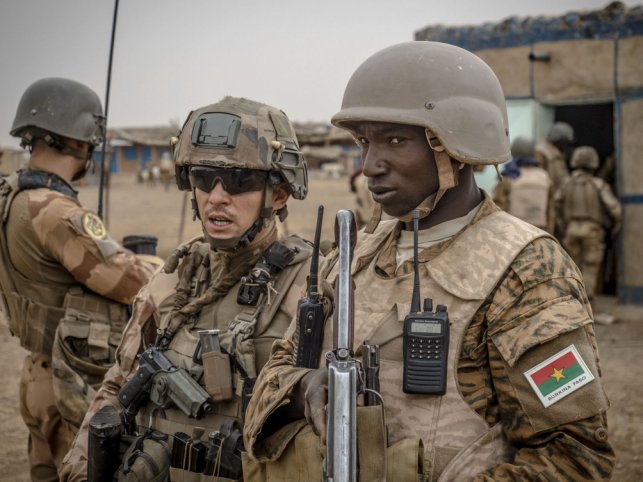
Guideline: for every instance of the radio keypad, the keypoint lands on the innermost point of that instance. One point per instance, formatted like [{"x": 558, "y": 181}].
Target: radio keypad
[{"x": 425, "y": 348}]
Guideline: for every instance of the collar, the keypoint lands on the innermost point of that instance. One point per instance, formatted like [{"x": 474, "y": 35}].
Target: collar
[
  {"x": 35, "y": 179},
  {"x": 386, "y": 264}
]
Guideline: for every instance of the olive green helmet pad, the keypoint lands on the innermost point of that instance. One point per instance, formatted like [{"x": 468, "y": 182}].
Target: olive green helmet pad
[
  {"x": 61, "y": 107},
  {"x": 241, "y": 133}
]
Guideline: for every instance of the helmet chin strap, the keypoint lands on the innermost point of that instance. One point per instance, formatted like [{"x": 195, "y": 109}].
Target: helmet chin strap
[{"x": 447, "y": 178}]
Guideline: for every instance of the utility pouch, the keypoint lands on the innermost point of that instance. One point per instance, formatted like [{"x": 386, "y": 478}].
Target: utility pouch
[
  {"x": 147, "y": 459},
  {"x": 405, "y": 460},
  {"x": 84, "y": 348},
  {"x": 217, "y": 375}
]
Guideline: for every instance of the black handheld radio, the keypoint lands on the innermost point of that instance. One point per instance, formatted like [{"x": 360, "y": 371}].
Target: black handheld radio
[
  {"x": 426, "y": 338},
  {"x": 309, "y": 331}
]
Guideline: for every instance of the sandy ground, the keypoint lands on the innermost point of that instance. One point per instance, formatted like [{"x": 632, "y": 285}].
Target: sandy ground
[{"x": 137, "y": 209}]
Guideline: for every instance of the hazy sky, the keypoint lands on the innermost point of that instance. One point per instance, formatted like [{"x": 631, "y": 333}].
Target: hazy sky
[{"x": 175, "y": 55}]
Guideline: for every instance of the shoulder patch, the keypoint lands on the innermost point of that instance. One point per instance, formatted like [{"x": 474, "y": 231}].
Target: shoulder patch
[
  {"x": 93, "y": 226},
  {"x": 558, "y": 376}
]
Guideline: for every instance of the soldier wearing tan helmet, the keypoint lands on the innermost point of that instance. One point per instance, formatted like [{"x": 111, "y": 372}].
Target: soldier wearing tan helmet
[
  {"x": 553, "y": 151},
  {"x": 241, "y": 161},
  {"x": 523, "y": 395},
  {"x": 589, "y": 209},
  {"x": 525, "y": 189},
  {"x": 64, "y": 280}
]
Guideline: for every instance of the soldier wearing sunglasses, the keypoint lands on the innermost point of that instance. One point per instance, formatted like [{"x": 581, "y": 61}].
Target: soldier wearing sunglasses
[{"x": 241, "y": 161}]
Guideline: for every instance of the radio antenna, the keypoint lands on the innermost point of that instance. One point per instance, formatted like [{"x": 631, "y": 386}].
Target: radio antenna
[
  {"x": 415, "y": 300},
  {"x": 314, "y": 262}
]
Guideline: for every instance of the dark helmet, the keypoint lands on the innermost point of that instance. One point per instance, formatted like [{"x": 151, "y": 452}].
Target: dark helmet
[
  {"x": 522, "y": 147},
  {"x": 52, "y": 108}
]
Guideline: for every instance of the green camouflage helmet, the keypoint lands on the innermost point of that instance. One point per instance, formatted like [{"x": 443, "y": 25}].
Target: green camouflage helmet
[
  {"x": 237, "y": 132},
  {"x": 61, "y": 107},
  {"x": 443, "y": 88},
  {"x": 584, "y": 157}
]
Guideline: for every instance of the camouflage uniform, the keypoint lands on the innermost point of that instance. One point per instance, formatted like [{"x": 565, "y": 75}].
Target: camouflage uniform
[
  {"x": 246, "y": 285},
  {"x": 58, "y": 250},
  {"x": 536, "y": 308},
  {"x": 588, "y": 206},
  {"x": 550, "y": 157},
  {"x": 525, "y": 189},
  {"x": 529, "y": 197},
  {"x": 219, "y": 274}
]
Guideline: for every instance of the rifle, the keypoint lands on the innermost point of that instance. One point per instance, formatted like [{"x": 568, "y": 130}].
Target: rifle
[
  {"x": 340, "y": 464},
  {"x": 309, "y": 331}
]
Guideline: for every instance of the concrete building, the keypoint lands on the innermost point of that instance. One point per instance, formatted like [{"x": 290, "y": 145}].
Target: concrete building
[{"x": 584, "y": 68}]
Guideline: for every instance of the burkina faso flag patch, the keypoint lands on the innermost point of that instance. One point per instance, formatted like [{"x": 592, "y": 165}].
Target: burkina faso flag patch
[{"x": 559, "y": 375}]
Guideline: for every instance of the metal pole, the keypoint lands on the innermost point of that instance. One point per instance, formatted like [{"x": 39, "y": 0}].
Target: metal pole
[{"x": 109, "y": 82}]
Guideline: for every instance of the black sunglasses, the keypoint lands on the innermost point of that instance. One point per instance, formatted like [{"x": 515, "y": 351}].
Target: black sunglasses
[{"x": 233, "y": 180}]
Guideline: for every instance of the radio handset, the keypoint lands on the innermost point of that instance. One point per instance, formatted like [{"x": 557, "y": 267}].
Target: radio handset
[{"x": 426, "y": 338}]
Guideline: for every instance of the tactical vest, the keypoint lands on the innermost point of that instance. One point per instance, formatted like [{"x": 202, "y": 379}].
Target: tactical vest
[
  {"x": 582, "y": 199},
  {"x": 529, "y": 196},
  {"x": 247, "y": 332},
  {"x": 32, "y": 307},
  {"x": 458, "y": 443},
  {"x": 80, "y": 330}
]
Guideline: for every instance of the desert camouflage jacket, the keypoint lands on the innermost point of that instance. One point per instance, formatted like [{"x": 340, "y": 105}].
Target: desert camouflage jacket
[
  {"x": 604, "y": 200},
  {"x": 153, "y": 307},
  {"x": 550, "y": 158},
  {"x": 54, "y": 243},
  {"x": 521, "y": 319}
]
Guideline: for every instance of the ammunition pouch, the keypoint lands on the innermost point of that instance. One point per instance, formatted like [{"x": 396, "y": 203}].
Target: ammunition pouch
[
  {"x": 146, "y": 460},
  {"x": 303, "y": 457},
  {"x": 217, "y": 375},
  {"x": 84, "y": 349}
]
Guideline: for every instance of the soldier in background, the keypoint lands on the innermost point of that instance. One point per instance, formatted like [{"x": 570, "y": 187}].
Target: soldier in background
[
  {"x": 424, "y": 113},
  {"x": 589, "y": 210},
  {"x": 525, "y": 189},
  {"x": 552, "y": 153},
  {"x": 167, "y": 170},
  {"x": 60, "y": 268},
  {"x": 241, "y": 161}
]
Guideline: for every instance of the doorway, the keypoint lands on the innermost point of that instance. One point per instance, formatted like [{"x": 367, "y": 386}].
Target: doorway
[{"x": 594, "y": 126}]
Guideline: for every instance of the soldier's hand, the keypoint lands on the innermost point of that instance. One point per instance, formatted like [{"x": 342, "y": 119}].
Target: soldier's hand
[
  {"x": 315, "y": 389},
  {"x": 616, "y": 229}
]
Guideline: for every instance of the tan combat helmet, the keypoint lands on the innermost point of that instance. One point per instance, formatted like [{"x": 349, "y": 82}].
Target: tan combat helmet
[
  {"x": 561, "y": 132},
  {"x": 584, "y": 157},
  {"x": 53, "y": 108},
  {"x": 241, "y": 133},
  {"x": 448, "y": 90}
]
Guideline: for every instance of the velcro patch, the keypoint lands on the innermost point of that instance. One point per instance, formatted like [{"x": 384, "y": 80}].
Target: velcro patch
[
  {"x": 558, "y": 376},
  {"x": 93, "y": 226}
]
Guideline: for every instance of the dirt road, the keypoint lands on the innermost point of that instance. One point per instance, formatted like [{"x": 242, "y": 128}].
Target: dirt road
[{"x": 137, "y": 209}]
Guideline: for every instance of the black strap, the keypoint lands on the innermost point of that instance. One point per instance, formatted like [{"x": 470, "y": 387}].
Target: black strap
[{"x": 34, "y": 179}]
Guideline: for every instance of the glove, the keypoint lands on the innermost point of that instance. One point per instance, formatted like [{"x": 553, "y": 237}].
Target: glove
[{"x": 314, "y": 390}]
